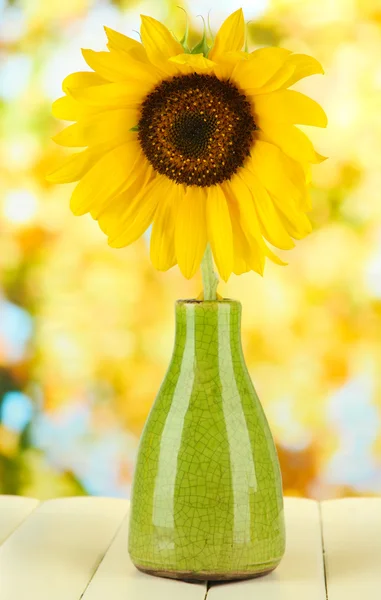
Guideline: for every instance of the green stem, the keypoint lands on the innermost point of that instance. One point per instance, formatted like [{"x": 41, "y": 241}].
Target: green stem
[{"x": 209, "y": 276}]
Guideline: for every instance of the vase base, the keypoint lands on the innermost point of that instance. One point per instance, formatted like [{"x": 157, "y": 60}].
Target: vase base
[{"x": 194, "y": 577}]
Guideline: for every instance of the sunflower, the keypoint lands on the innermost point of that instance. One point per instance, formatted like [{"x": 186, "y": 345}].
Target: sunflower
[{"x": 200, "y": 144}]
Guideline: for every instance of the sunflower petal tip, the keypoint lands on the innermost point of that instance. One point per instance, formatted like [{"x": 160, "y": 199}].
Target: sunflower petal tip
[
  {"x": 320, "y": 158},
  {"x": 188, "y": 270},
  {"x": 112, "y": 241},
  {"x": 75, "y": 212},
  {"x": 225, "y": 276},
  {"x": 237, "y": 12},
  {"x": 116, "y": 242}
]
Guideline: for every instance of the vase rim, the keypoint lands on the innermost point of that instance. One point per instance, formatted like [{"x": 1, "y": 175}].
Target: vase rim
[{"x": 194, "y": 301}]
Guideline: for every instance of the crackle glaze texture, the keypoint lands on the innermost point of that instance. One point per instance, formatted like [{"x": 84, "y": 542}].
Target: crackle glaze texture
[{"x": 207, "y": 494}]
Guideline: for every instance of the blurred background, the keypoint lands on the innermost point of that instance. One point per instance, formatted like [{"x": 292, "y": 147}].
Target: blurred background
[{"x": 86, "y": 332}]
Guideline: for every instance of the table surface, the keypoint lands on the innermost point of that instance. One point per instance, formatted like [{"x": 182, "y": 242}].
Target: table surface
[{"x": 76, "y": 549}]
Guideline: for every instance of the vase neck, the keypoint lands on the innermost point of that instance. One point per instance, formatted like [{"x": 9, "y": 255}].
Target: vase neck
[{"x": 208, "y": 330}]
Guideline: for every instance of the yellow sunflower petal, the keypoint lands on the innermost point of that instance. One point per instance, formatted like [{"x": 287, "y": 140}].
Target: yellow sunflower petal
[
  {"x": 228, "y": 63},
  {"x": 274, "y": 258},
  {"x": 294, "y": 168},
  {"x": 108, "y": 66},
  {"x": 319, "y": 158},
  {"x": 116, "y": 68},
  {"x": 267, "y": 162},
  {"x": 241, "y": 205},
  {"x": 275, "y": 82},
  {"x": 110, "y": 126},
  {"x": 112, "y": 94},
  {"x": 240, "y": 246},
  {"x": 141, "y": 212},
  {"x": 242, "y": 250},
  {"x": 111, "y": 215},
  {"x": 308, "y": 175},
  {"x": 230, "y": 37},
  {"x": 295, "y": 221},
  {"x": 82, "y": 79},
  {"x": 291, "y": 140},
  {"x": 118, "y": 41},
  {"x": 259, "y": 67},
  {"x": 241, "y": 263},
  {"x": 304, "y": 67},
  {"x": 162, "y": 247},
  {"x": 76, "y": 165},
  {"x": 68, "y": 109},
  {"x": 196, "y": 61},
  {"x": 299, "y": 173},
  {"x": 190, "y": 235},
  {"x": 237, "y": 191},
  {"x": 233, "y": 57},
  {"x": 289, "y": 106},
  {"x": 158, "y": 40},
  {"x": 256, "y": 248},
  {"x": 282, "y": 177},
  {"x": 270, "y": 224},
  {"x": 271, "y": 53},
  {"x": 219, "y": 230},
  {"x": 106, "y": 178}
]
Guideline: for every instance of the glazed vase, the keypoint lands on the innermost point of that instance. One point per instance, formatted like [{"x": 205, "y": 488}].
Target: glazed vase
[{"x": 207, "y": 494}]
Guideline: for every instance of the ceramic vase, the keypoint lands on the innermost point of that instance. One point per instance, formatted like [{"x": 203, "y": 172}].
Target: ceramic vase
[{"x": 207, "y": 495}]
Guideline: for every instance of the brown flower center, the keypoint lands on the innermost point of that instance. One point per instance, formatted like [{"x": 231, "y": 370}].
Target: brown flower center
[{"x": 196, "y": 129}]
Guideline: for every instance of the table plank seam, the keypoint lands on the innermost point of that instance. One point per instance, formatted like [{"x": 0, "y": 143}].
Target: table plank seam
[
  {"x": 96, "y": 567},
  {"x": 323, "y": 550},
  {"x": 19, "y": 524}
]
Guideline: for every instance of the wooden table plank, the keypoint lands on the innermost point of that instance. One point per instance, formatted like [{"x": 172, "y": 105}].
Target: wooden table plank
[
  {"x": 300, "y": 576},
  {"x": 13, "y": 511},
  {"x": 352, "y": 543},
  {"x": 55, "y": 552},
  {"x": 118, "y": 579}
]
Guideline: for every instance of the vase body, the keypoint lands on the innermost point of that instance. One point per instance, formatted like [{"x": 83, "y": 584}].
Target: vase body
[{"x": 207, "y": 495}]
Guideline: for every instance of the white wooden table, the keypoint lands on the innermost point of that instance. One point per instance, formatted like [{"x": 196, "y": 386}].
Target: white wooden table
[{"x": 76, "y": 548}]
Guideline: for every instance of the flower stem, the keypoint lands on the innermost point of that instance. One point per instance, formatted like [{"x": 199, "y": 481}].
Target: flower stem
[{"x": 209, "y": 276}]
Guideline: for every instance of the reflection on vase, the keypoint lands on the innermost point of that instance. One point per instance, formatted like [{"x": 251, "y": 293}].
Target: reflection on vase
[{"x": 207, "y": 495}]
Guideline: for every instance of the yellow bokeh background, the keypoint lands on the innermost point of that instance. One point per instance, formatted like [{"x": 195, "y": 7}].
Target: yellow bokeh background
[{"x": 86, "y": 332}]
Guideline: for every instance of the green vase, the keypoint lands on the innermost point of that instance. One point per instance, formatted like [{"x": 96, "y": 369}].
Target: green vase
[{"x": 207, "y": 496}]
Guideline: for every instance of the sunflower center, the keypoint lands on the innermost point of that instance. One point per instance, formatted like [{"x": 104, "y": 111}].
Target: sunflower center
[
  {"x": 196, "y": 129},
  {"x": 190, "y": 133}
]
